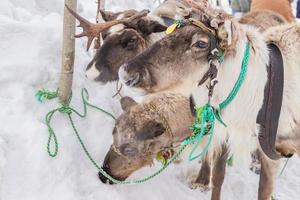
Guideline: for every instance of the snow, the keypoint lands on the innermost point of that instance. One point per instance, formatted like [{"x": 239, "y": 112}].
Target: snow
[{"x": 30, "y": 33}]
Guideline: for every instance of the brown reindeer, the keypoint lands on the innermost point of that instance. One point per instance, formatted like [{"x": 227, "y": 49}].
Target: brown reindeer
[
  {"x": 262, "y": 19},
  {"x": 145, "y": 129},
  {"x": 161, "y": 122},
  {"x": 179, "y": 63}
]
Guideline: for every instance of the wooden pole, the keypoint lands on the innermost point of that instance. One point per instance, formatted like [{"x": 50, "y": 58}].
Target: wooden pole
[
  {"x": 101, "y": 6},
  {"x": 68, "y": 53}
]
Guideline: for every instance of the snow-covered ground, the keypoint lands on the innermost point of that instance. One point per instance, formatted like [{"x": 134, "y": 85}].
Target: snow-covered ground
[{"x": 30, "y": 58}]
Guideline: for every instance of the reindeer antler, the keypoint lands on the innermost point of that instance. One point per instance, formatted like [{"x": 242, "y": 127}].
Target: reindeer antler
[
  {"x": 213, "y": 17},
  {"x": 200, "y": 5},
  {"x": 91, "y": 30}
]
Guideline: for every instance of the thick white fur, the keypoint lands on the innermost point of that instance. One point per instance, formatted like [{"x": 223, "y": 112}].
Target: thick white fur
[
  {"x": 240, "y": 115},
  {"x": 287, "y": 37}
]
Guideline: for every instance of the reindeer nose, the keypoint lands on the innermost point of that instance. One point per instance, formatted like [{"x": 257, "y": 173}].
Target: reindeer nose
[
  {"x": 103, "y": 178},
  {"x": 129, "y": 79}
]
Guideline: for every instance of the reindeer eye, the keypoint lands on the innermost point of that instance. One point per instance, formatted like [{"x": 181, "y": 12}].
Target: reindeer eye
[
  {"x": 131, "y": 40},
  {"x": 130, "y": 43},
  {"x": 201, "y": 44}
]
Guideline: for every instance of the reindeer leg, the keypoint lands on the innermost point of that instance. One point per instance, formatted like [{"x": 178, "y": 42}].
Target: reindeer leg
[
  {"x": 269, "y": 169},
  {"x": 203, "y": 178},
  {"x": 218, "y": 173}
]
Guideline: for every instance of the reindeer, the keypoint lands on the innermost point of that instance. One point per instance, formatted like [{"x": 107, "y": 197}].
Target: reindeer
[
  {"x": 178, "y": 62},
  {"x": 160, "y": 122}
]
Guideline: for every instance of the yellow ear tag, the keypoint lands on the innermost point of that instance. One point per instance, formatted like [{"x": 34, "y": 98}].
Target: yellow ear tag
[
  {"x": 171, "y": 28},
  {"x": 160, "y": 158}
]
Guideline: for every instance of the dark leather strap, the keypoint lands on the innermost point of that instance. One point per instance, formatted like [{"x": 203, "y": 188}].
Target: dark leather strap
[
  {"x": 193, "y": 106},
  {"x": 268, "y": 116},
  {"x": 212, "y": 71}
]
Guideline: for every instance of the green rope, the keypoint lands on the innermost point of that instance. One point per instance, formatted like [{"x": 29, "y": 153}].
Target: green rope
[
  {"x": 52, "y": 144},
  {"x": 240, "y": 80},
  {"x": 203, "y": 125},
  {"x": 66, "y": 109},
  {"x": 280, "y": 174},
  {"x": 230, "y": 161},
  {"x": 284, "y": 166},
  {"x": 44, "y": 94}
]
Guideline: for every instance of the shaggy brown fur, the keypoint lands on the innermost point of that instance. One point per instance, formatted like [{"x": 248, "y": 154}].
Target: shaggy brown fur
[
  {"x": 283, "y": 7},
  {"x": 262, "y": 19},
  {"x": 140, "y": 133}
]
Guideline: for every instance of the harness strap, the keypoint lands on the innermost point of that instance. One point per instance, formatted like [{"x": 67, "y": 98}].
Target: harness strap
[
  {"x": 213, "y": 55},
  {"x": 268, "y": 116}
]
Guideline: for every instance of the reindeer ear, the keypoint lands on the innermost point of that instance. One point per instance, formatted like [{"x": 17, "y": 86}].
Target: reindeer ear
[
  {"x": 147, "y": 26},
  {"x": 127, "y": 103},
  {"x": 108, "y": 16},
  {"x": 151, "y": 130},
  {"x": 227, "y": 33}
]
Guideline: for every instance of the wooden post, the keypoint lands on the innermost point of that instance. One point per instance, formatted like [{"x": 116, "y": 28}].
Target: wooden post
[
  {"x": 101, "y": 6},
  {"x": 68, "y": 53}
]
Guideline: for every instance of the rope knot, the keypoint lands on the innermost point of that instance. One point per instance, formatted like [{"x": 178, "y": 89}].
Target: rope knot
[
  {"x": 44, "y": 94},
  {"x": 202, "y": 126},
  {"x": 65, "y": 109}
]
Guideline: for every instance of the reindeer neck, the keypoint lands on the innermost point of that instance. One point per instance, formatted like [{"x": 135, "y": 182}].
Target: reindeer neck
[{"x": 250, "y": 94}]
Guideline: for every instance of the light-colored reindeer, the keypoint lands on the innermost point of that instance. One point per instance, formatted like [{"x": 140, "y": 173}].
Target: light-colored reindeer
[{"x": 179, "y": 61}]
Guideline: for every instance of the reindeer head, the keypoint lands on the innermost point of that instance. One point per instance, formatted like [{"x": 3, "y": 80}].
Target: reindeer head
[
  {"x": 121, "y": 43},
  {"x": 125, "y": 35},
  {"x": 145, "y": 129},
  {"x": 181, "y": 59}
]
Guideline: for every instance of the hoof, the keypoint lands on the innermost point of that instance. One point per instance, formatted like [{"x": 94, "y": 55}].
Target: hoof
[
  {"x": 255, "y": 166},
  {"x": 199, "y": 186}
]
